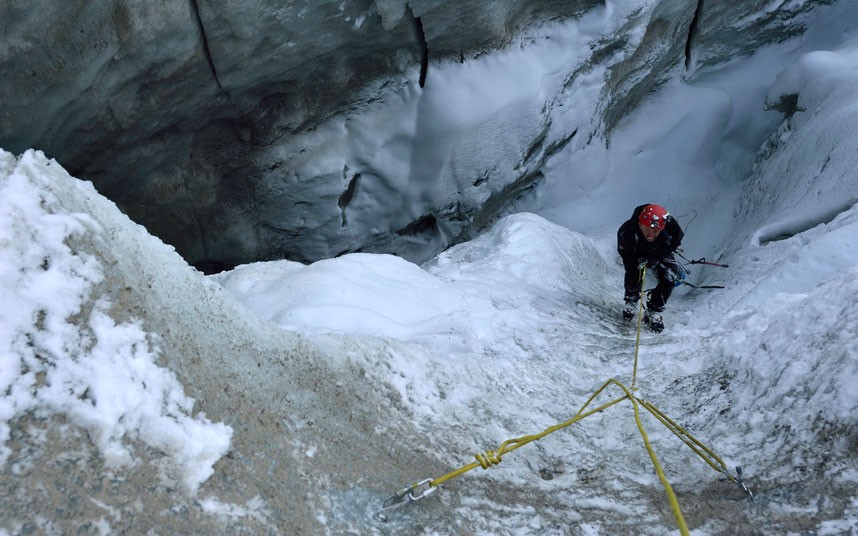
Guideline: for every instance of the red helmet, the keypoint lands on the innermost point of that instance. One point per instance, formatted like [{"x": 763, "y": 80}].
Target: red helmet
[{"x": 654, "y": 216}]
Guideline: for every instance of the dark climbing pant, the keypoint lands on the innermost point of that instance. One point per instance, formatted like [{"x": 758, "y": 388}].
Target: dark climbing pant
[{"x": 661, "y": 293}]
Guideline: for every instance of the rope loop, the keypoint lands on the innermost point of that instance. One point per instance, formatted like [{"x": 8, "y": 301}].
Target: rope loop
[{"x": 488, "y": 459}]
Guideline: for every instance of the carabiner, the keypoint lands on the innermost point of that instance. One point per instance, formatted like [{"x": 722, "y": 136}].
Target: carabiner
[{"x": 412, "y": 493}]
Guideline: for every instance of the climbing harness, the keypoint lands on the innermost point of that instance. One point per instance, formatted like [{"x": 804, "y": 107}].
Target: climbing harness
[
  {"x": 685, "y": 282},
  {"x": 424, "y": 488}
]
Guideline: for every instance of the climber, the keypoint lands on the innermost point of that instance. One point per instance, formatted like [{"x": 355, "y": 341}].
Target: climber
[{"x": 649, "y": 238}]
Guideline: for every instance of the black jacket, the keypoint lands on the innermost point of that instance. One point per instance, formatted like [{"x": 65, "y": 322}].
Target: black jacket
[{"x": 633, "y": 247}]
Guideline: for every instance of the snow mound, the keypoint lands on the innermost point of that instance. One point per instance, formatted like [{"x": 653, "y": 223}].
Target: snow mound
[
  {"x": 62, "y": 353},
  {"x": 465, "y": 298}
]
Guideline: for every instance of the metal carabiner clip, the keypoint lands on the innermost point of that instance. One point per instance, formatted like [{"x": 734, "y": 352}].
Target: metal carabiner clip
[
  {"x": 741, "y": 482},
  {"x": 412, "y": 493}
]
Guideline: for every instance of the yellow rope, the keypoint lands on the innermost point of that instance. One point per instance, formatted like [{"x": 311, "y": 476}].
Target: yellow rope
[
  {"x": 671, "y": 496},
  {"x": 701, "y": 450},
  {"x": 494, "y": 457},
  {"x": 638, "y": 336},
  {"x": 706, "y": 454}
]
